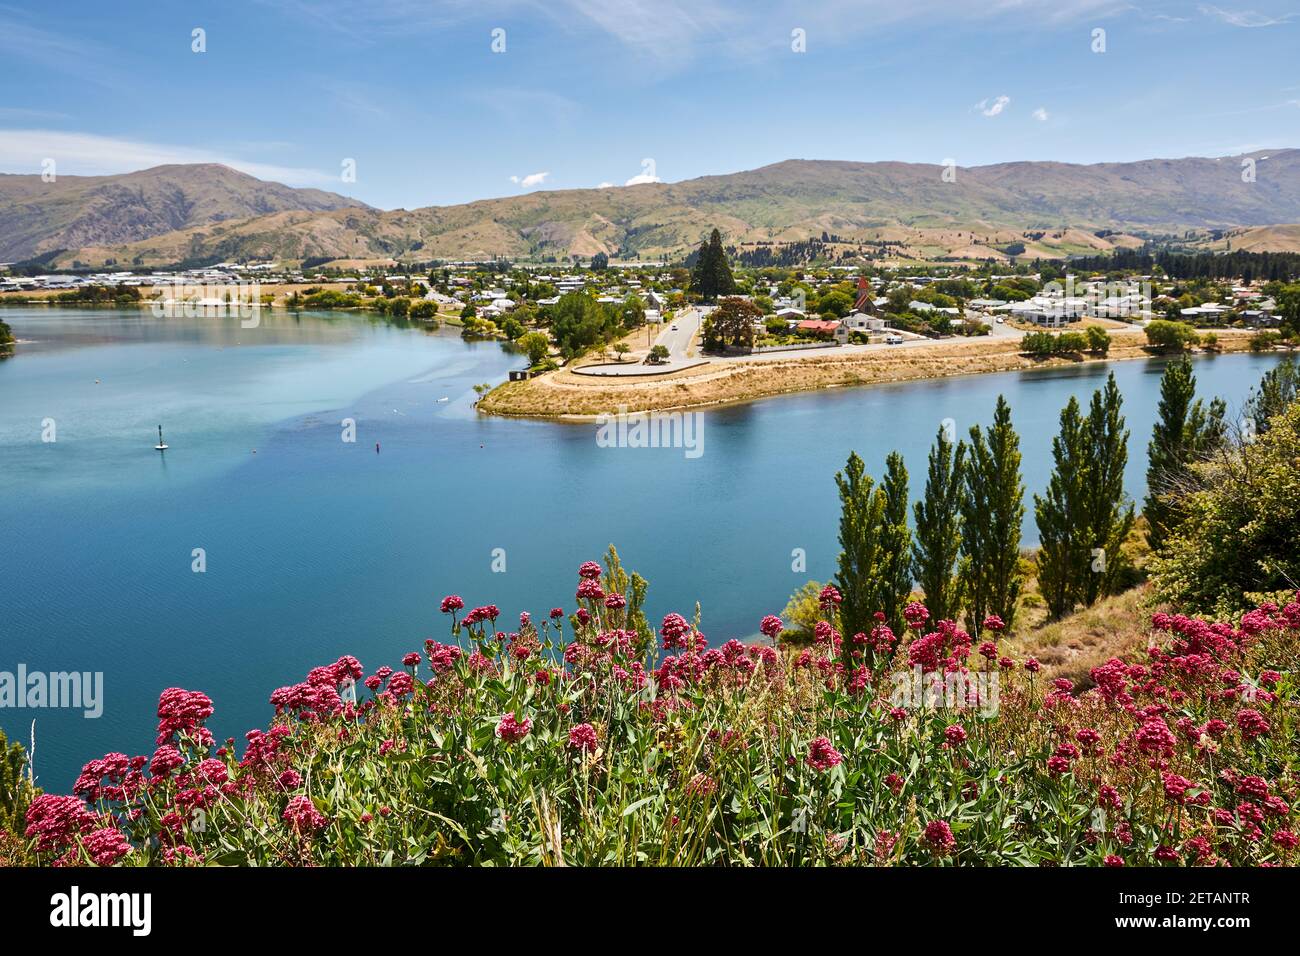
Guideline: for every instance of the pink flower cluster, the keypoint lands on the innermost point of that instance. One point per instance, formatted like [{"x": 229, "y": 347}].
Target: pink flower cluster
[
  {"x": 303, "y": 817},
  {"x": 317, "y": 697},
  {"x": 512, "y": 730},
  {"x": 821, "y": 755}
]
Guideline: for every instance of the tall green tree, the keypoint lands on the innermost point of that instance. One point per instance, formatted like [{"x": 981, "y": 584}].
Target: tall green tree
[
  {"x": 1277, "y": 390},
  {"x": 711, "y": 276},
  {"x": 937, "y": 544},
  {"x": 993, "y": 509},
  {"x": 896, "y": 560},
  {"x": 1184, "y": 432},
  {"x": 862, "y": 536},
  {"x": 1063, "y": 554},
  {"x": 578, "y": 323},
  {"x": 1107, "y": 510}
]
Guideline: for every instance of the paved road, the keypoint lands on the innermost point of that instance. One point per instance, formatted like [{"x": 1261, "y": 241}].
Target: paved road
[
  {"x": 687, "y": 325},
  {"x": 678, "y": 336},
  {"x": 1002, "y": 330}
]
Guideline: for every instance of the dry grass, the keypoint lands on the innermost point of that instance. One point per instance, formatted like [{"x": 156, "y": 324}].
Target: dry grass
[
  {"x": 562, "y": 394},
  {"x": 1113, "y": 627}
]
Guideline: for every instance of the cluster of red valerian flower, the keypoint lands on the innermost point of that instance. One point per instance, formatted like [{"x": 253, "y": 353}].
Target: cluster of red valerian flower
[
  {"x": 675, "y": 631},
  {"x": 582, "y": 737},
  {"x": 303, "y": 817},
  {"x": 512, "y": 730},
  {"x": 181, "y": 714},
  {"x": 1180, "y": 751},
  {"x": 938, "y": 834},
  {"x": 821, "y": 755}
]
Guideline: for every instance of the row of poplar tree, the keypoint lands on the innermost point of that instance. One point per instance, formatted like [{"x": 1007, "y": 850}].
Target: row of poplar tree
[{"x": 963, "y": 547}]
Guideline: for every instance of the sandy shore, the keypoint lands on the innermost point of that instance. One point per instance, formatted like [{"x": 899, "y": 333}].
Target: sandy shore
[{"x": 562, "y": 394}]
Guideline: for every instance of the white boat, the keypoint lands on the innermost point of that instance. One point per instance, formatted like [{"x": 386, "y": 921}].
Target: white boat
[{"x": 162, "y": 445}]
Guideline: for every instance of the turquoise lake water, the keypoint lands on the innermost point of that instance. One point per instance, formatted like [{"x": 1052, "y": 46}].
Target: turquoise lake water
[{"x": 316, "y": 547}]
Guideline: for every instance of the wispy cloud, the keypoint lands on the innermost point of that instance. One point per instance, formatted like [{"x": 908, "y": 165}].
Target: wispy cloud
[
  {"x": 1245, "y": 18},
  {"x": 524, "y": 107},
  {"x": 22, "y": 40},
  {"x": 531, "y": 180},
  {"x": 994, "y": 106},
  {"x": 671, "y": 33},
  {"x": 88, "y": 154},
  {"x": 663, "y": 30},
  {"x": 1266, "y": 108},
  {"x": 381, "y": 17},
  {"x": 1041, "y": 115},
  {"x": 356, "y": 100},
  {"x": 21, "y": 113}
]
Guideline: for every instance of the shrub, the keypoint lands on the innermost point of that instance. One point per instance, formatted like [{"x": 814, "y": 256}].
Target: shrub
[
  {"x": 1040, "y": 344},
  {"x": 1171, "y": 336},
  {"x": 1240, "y": 536},
  {"x": 536, "y": 344},
  {"x": 801, "y": 614},
  {"x": 1265, "y": 340},
  {"x": 331, "y": 299},
  {"x": 1098, "y": 340}
]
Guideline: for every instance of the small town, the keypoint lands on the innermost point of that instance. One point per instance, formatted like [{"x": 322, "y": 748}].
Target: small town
[{"x": 633, "y": 312}]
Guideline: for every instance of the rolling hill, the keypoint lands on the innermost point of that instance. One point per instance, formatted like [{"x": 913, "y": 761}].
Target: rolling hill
[
  {"x": 73, "y": 211},
  {"x": 1054, "y": 209}
]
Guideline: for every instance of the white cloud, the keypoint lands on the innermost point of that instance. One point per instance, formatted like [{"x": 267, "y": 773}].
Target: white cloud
[
  {"x": 1040, "y": 114},
  {"x": 531, "y": 180},
  {"x": 88, "y": 154},
  {"x": 56, "y": 50},
  {"x": 525, "y": 106},
  {"x": 605, "y": 186},
  {"x": 1245, "y": 18},
  {"x": 993, "y": 107},
  {"x": 356, "y": 100},
  {"x": 666, "y": 30},
  {"x": 22, "y": 113},
  {"x": 641, "y": 178},
  {"x": 672, "y": 33}
]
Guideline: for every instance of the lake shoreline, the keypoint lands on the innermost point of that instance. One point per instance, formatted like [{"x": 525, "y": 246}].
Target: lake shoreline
[{"x": 565, "y": 397}]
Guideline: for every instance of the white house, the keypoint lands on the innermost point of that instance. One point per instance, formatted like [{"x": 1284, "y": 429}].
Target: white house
[
  {"x": 1053, "y": 312},
  {"x": 864, "y": 322},
  {"x": 1210, "y": 312}
]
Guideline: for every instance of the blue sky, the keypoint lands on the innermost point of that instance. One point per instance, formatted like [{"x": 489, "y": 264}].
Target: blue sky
[{"x": 587, "y": 91}]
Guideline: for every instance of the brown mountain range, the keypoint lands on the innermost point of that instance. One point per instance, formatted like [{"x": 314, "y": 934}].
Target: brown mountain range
[
  {"x": 1054, "y": 209},
  {"x": 73, "y": 211}
]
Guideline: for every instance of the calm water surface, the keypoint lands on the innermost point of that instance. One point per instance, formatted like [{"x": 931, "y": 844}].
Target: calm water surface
[{"x": 316, "y": 547}]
